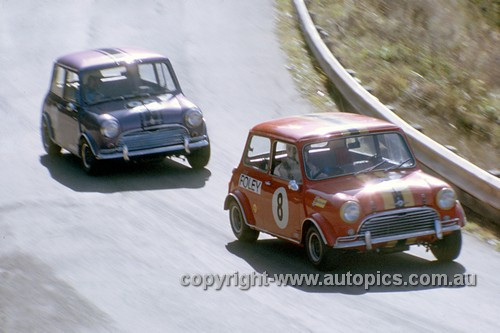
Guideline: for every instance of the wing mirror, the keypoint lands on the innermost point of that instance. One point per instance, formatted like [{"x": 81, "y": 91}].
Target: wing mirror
[
  {"x": 293, "y": 186},
  {"x": 71, "y": 107}
]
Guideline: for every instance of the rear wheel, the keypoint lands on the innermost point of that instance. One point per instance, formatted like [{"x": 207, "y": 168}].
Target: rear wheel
[
  {"x": 238, "y": 225},
  {"x": 89, "y": 162},
  {"x": 320, "y": 255},
  {"x": 50, "y": 147},
  {"x": 448, "y": 248},
  {"x": 198, "y": 159}
]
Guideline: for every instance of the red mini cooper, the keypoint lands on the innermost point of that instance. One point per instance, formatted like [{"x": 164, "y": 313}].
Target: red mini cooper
[{"x": 335, "y": 182}]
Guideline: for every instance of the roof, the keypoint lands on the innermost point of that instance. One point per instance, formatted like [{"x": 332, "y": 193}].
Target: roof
[
  {"x": 106, "y": 57},
  {"x": 312, "y": 126}
]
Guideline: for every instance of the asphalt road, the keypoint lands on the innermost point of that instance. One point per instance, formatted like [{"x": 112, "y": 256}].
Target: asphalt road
[{"x": 83, "y": 254}]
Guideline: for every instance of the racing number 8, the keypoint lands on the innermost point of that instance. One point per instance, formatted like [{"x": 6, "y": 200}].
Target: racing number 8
[{"x": 280, "y": 207}]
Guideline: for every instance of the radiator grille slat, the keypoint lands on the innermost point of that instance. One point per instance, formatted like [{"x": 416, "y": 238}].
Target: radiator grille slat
[
  {"x": 153, "y": 139},
  {"x": 400, "y": 222}
]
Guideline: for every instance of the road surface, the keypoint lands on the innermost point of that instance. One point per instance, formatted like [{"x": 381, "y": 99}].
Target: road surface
[{"x": 106, "y": 254}]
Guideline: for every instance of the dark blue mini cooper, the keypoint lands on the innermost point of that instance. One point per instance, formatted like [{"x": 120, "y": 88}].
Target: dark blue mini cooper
[{"x": 121, "y": 104}]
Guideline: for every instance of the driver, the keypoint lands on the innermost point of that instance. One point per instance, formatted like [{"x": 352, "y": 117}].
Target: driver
[
  {"x": 91, "y": 89},
  {"x": 289, "y": 168}
]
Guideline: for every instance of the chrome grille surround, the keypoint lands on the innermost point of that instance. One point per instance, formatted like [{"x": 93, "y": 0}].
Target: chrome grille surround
[
  {"x": 397, "y": 225},
  {"x": 403, "y": 221},
  {"x": 153, "y": 137}
]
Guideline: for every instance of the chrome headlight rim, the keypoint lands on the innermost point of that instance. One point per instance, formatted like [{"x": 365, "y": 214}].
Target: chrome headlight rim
[
  {"x": 446, "y": 198},
  {"x": 350, "y": 211},
  {"x": 110, "y": 128},
  {"x": 193, "y": 118}
]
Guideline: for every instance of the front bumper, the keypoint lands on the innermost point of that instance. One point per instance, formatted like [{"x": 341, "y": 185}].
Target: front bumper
[
  {"x": 124, "y": 153},
  {"x": 367, "y": 239}
]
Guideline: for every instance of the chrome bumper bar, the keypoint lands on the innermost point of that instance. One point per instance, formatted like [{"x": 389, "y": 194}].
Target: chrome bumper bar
[
  {"x": 123, "y": 152},
  {"x": 368, "y": 241}
]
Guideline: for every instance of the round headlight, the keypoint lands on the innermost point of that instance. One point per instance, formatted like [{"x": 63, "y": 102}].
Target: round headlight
[
  {"x": 110, "y": 128},
  {"x": 349, "y": 212},
  {"x": 193, "y": 118},
  {"x": 446, "y": 198}
]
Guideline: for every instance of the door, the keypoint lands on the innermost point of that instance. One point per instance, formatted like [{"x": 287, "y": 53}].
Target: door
[
  {"x": 282, "y": 192},
  {"x": 255, "y": 174},
  {"x": 68, "y": 109}
]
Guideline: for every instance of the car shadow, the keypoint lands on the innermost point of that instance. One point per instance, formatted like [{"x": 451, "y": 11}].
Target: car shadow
[
  {"x": 120, "y": 176},
  {"x": 275, "y": 256}
]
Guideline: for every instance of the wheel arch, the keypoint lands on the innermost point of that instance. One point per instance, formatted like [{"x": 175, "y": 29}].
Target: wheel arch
[
  {"x": 87, "y": 137},
  {"x": 46, "y": 118},
  {"x": 324, "y": 228},
  {"x": 242, "y": 201}
]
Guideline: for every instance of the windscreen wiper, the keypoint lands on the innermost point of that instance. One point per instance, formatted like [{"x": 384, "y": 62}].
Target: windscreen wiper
[
  {"x": 370, "y": 168},
  {"x": 399, "y": 165}
]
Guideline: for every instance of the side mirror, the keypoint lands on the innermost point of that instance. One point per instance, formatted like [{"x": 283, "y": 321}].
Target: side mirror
[
  {"x": 293, "y": 186},
  {"x": 71, "y": 107}
]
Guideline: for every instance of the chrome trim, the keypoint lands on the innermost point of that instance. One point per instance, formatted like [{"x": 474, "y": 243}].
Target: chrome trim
[
  {"x": 125, "y": 153},
  {"x": 439, "y": 229},
  {"x": 349, "y": 244},
  {"x": 90, "y": 145},
  {"x": 368, "y": 240},
  {"x": 151, "y": 128},
  {"x": 317, "y": 227},
  {"x": 391, "y": 212},
  {"x": 186, "y": 145},
  {"x": 241, "y": 208},
  {"x": 105, "y": 154}
]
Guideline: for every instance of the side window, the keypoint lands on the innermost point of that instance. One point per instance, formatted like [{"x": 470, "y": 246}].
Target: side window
[
  {"x": 286, "y": 162},
  {"x": 165, "y": 79},
  {"x": 72, "y": 86},
  {"x": 258, "y": 153},
  {"x": 57, "y": 85},
  {"x": 147, "y": 73}
]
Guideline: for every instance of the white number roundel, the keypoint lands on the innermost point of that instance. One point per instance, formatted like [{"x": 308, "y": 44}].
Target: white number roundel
[{"x": 280, "y": 207}]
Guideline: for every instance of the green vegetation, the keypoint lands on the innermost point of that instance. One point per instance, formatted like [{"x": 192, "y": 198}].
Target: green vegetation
[
  {"x": 436, "y": 63},
  {"x": 453, "y": 94}
]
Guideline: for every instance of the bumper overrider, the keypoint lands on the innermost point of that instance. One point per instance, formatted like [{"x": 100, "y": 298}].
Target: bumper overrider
[
  {"x": 166, "y": 140},
  {"x": 404, "y": 224}
]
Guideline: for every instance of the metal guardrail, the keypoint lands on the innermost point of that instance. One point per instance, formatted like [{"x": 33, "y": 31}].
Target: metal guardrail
[{"x": 476, "y": 188}]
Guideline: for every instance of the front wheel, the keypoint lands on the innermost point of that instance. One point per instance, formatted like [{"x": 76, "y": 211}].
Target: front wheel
[
  {"x": 448, "y": 248},
  {"x": 89, "y": 162},
  {"x": 238, "y": 225},
  {"x": 198, "y": 159},
  {"x": 50, "y": 147},
  {"x": 320, "y": 255}
]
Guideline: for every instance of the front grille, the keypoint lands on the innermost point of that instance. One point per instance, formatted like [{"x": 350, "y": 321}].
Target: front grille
[
  {"x": 400, "y": 222},
  {"x": 153, "y": 139}
]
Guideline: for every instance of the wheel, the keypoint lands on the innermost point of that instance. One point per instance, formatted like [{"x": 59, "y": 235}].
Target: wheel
[
  {"x": 198, "y": 159},
  {"x": 238, "y": 225},
  {"x": 89, "y": 163},
  {"x": 50, "y": 147},
  {"x": 320, "y": 255},
  {"x": 448, "y": 248}
]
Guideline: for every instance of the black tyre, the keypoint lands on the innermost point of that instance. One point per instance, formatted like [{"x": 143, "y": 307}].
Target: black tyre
[
  {"x": 238, "y": 225},
  {"x": 320, "y": 255},
  {"x": 448, "y": 248},
  {"x": 89, "y": 162},
  {"x": 50, "y": 147},
  {"x": 198, "y": 159}
]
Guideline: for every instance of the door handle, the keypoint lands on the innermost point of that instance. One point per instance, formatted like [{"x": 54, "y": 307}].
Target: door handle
[{"x": 267, "y": 182}]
